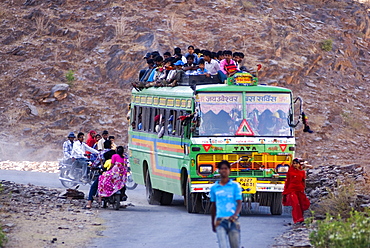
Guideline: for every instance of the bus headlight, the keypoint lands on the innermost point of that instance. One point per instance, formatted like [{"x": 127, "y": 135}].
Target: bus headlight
[{"x": 205, "y": 169}]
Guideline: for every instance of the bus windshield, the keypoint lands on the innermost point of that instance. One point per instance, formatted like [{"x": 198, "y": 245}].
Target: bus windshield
[
  {"x": 267, "y": 113},
  {"x": 264, "y": 114},
  {"x": 221, "y": 113}
]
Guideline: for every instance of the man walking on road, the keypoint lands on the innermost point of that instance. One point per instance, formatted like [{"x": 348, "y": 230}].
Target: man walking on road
[{"x": 226, "y": 200}]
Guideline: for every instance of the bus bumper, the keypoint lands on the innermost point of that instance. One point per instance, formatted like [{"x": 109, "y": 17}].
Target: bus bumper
[{"x": 261, "y": 187}]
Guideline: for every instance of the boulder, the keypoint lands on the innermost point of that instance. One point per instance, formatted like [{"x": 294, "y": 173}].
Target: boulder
[{"x": 60, "y": 91}]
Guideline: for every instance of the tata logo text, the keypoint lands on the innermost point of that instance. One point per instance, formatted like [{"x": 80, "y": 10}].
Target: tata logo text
[{"x": 245, "y": 148}]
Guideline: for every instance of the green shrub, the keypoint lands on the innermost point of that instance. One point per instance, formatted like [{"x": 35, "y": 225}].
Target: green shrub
[
  {"x": 327, "y": 45},
  {"x": 70, "y": 77},
  {"x": 3, "y": 237},
  {"x": 335, "y": 232}
]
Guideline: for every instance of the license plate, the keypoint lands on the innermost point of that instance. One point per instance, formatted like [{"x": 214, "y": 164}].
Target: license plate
[{"x": 249, "y": 184}]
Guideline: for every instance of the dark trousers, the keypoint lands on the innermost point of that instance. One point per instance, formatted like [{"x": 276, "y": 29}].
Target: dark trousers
[{"x": 93, "y": 189}]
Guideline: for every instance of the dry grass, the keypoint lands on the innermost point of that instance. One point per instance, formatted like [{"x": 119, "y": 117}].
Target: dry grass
[
  {"x": 246, "y": 4},
  {"x": 120, "y": 26},
  {"x": 56, "y": 55},
  {"x": 79, "y": 42},
  {"x": 173, "y": 23},
  {"x": 15, "y": 115},
  {"x": 340, "y": 200},
  {"x": 42, "y": 24}
]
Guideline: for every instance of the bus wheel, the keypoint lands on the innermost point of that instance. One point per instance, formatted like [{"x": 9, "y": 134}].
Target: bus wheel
[
  {"x": 153, "y": 196},
  {"x": 166, "y": 198},
  {"x": 193, "y": 201},
  {"x": 276, "y": 207}
]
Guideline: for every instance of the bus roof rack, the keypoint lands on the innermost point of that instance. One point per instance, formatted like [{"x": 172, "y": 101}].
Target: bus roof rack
[
  {"x": 189, "y": 80},
  {"x": 239, "y": 78}
]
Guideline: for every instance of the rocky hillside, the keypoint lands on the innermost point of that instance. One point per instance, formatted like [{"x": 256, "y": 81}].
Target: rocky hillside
[{"x": 318, "y": 48}]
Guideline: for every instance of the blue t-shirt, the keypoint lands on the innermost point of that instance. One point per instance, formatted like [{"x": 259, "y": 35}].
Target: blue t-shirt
[
  {"x": 225, "y": 198},
  {"x": 200, "y": 71}
]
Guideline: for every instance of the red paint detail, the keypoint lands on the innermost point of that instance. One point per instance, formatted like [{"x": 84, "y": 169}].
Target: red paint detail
[
  {"x": 198, "y": 188},
  {"x": 283, "y": 147},
  {"x": 207, "y": 147},
  {"x": 244, "y": 125}
]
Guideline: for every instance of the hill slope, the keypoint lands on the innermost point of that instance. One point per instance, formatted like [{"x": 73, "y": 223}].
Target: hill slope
[{"x": 103, "y": 43}]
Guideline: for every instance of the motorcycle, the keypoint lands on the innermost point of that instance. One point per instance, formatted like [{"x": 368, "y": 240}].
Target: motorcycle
[
  {"x": 115, "y": 199},
  {"x": 70, "y": 177}
]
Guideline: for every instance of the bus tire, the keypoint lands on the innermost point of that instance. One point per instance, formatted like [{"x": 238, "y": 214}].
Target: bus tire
[
  {"x": 153, "y": 196},
  {"x": 192, "y": 200},
  {"x": 166, "y": 198},
  {"x": 276, "y": 207}
]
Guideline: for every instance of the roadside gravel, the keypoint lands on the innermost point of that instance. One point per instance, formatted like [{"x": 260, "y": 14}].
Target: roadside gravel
[{"x": 34, "y": 216}]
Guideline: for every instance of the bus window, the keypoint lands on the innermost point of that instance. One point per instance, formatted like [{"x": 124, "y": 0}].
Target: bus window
[
  {"x": 145, "y": 119},
  {"x": 175, "y": 130},
  {"x": 156, "y": 120},
  {"x": 150, "y": 119},
  {"x": 221, "y": 113},
  {"x": 267, "y": 113},
  {"x": 140, "y": 119},
  {"x": 133, "y": 117},
  {"x": 171, "y": 122},
  {"x": 160, "y": 128},
  {"x": 180, "y": 127}
]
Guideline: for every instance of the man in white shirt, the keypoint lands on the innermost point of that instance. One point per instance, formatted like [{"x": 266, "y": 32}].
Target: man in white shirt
[
  {"x": 78, "y": 155},
  {"x": 102, "y": 140},
  {"x": 211, "y": 65}
]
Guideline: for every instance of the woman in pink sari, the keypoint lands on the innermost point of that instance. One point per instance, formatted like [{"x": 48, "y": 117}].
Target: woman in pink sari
[{"x": 114, "y": 179}]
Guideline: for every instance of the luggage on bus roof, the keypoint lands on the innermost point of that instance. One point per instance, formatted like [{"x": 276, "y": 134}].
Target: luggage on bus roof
[{"x": 199, "y": 80}]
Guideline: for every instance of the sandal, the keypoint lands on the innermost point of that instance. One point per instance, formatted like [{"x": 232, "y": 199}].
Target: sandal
[{"x": 87, "y": 207}]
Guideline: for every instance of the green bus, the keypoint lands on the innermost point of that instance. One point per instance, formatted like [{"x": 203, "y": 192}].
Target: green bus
[{"x": 179, "y": 134}]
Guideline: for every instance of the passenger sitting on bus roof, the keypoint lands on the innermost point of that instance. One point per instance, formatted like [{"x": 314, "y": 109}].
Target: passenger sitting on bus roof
[
  {"x": 155, "y": 54},
  {"x": 214, "y": 55},
  {"x": 227, "y": 65},
  {"x": 191, "y": 51},
  {"x": 220, "y": 56},
  {"x": 144, "y": 74},
  {"x": 190, "y": 68},
  {"x": 202, "y": 70},
  {"x": 147, "y": 56},
  {"x": 211, "y": 65},
  {"x": 170, "y": 75},
  {"x": 197, "y": 52},
  {"x": 154, "y": 74},
  {"x": 167, "y": 68},
  {"x": 178, "y": 74},
  {"x": 167, "y": 55},
  {"x": 177, "y": 52},
  {"x": 236, "y": 59}
]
